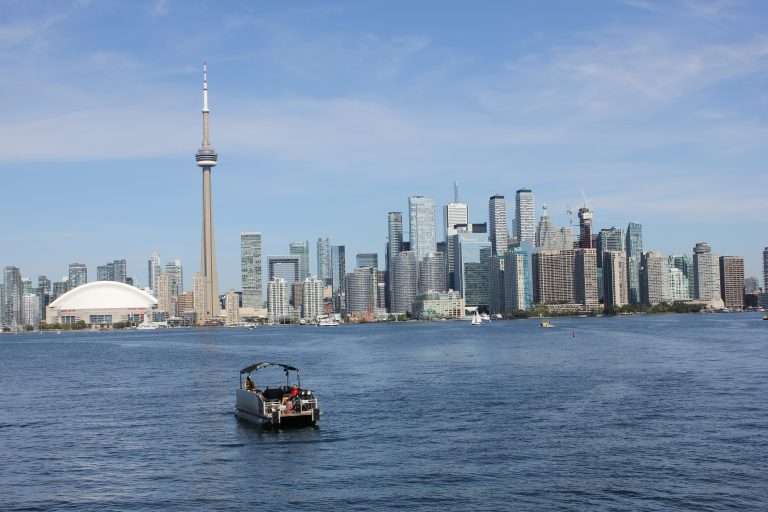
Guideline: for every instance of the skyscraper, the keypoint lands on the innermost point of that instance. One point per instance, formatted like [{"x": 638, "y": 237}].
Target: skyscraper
[
  {"x": 206, "y": 159},
  {"x": 312, "y": 300},
  {"x": 284, "y": 267},
  {"x": 278, "y": 308},
  {"x": 585, "y": 228},
  {"x": 232, "y": 308},
  {"x": 732, "y": 281},
  {"x": 405, "y": 281},
  {"x": 654, "y": 277},
  {"x": 338, "y": 268},
  {"x": 609, "y": 239},
  {"x": 175, "y": 272},
  {"x": 685, "y": 265},
  {"x": 361, "y": 292},
  {"x": 250, "y": 269},
  {"x": 706, "y": 273},
  {"x": 525, "y": 216},
  {"x": 301, "y": 249},
  {"x": 422, "y": 226},
  {"x": 14, "y": 293},
  {"x": 30, "y": 309},
  {"x": 546, "y": 232},
  {"x": 765, "y": 270},
  {"x": 78, "y": 274},
  {"x": 432, "y": 273},
  {"x": 553, "y": 277},
  {"x": 456, "y": 214},
  {"x": 518, "y": 290},
  {"x": 497, "y": 222},
  {"x": 394, "y": 246},
  {"x": 634, "y": 250},
  {"x": 615, "y": 278},
  {"x": 324, "y": 260},
  {"x": 473, "y": 254},
  {"x": 153, "y": 271}
]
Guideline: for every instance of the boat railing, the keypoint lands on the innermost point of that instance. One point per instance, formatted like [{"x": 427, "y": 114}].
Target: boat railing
[{"x": 273, "y": 405}]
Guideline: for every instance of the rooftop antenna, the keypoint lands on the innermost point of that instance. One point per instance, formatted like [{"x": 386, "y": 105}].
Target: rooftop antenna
[
  {"x": 569, "y": 211},
  {"x": 455, "y": 192}
]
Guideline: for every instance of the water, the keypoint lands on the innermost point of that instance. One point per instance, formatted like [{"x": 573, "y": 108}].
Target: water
[{"x": 633, "y": 413}]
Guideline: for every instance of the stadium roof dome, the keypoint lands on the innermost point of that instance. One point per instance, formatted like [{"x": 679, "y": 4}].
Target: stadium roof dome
[{"x": 105, "y": 295}]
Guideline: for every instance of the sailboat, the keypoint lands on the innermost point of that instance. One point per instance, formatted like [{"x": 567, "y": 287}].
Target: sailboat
[{"x": 476, "y": 319}]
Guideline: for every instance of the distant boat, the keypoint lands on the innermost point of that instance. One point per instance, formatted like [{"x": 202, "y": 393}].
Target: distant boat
[
  {"x": 327, "y": 322},
  {"x": 476, "y": 320},
  {"x": 546, "y": 324},
  {"x": 765, "y": 317},
  {"x": 485, "y": 317}
]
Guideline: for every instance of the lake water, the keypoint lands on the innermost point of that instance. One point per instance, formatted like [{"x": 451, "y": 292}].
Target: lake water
[{"x": 632, "y": 413}]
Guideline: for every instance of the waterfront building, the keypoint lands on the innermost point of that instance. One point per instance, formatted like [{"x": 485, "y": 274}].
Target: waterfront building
[
  {"x": 473, "y": 253},
  {"x": 685, "y": 264},
  {"x": 497, "y": 220},
  {"x": 278, "y": 307},
  {"x": 78, "y": 275},
  {"x": 405, "y": 281},
  {"x": 432, "y": 273},
  {"x": 525, "y": 216},
  {"x": 199, "y": 296},
  {"x": 422, "y": 226},
  {"x": 634, "y": 250},
  {"x": 186, "y": 305},
  {"x": 166, "y": 301},
  {"x": 361, "y": 293},
  {"x": 585, "y": 285},
  {"x": 232, "y": 308},
  {"x": 553, "y": 277},
  {"x": 367, "y": 259},
  {"x": 394, "y": 247},
  {"x": 615, "y": 278},
  {"x": 301, "y": 249},
  {"x": 153, "y": 272},
  {"x": 251, "y": 269},
  {"x": 324, "y": 260},
  {"x": 338, "y": 268},
  {"x": 312, "y": 299},
  {"x": 286, "y": 268},
  {"x": 706, "y": 273},
  {"x": 207, "y": 158},
  {"x": 585, "y": 228},
  {"x": 496, "y": 298},
  {"x": 13, "y": 297},
  {"x": 101, "y": 303},
  {"x": 677, "y": 288},
  {"x": 433, "y": 305},
  {"x": 732, "y": 281},
  {"x": 653, "y": 278},
  {"x": 31, "y": 309},
  {"x": 518, "y": 284}
]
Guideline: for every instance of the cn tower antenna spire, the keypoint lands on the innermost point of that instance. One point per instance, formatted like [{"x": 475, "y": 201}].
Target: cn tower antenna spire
[{"x": 205, "y": 87}]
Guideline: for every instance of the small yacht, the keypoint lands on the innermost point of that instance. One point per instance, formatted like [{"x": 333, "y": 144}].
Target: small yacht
[{"x": 283, "y": 406}]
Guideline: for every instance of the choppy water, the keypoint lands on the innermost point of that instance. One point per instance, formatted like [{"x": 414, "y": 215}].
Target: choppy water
[{"x": 641, "y": 413}]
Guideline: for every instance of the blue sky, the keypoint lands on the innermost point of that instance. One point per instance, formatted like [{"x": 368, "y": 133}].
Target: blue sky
[{"x": 327, "y": 116}]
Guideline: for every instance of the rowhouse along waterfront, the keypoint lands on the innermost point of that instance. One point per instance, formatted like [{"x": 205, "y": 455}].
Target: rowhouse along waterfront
[{"x": 663, "y": 412}]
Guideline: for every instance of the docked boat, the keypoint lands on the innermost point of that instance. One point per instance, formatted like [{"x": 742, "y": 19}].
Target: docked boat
[{"x": 284, "y": 406}]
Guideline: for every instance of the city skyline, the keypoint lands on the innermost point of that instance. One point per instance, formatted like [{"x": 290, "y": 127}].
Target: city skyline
[{"x": 257, "y": 128}]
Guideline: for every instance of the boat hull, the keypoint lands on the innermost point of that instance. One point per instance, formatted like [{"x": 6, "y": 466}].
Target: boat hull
[{"x": 250, "y": 407}]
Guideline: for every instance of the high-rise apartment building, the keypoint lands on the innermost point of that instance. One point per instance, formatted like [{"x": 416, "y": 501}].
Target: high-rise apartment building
[
  {"x": 286, "y": 268},
  {"x": 497, "y": 222},
  {"x": 423, "y": 229},
  {"x": 278, "y": 308},
  {"x": 546, "y": 233},
  {"x": 615, "y": 278},
  {"x": 765, "y": 270},
  {"x": 405, "y": 281},
  {"x": 78, "y": 274},
  {"x": 199, "y": 296},
  {"x": 232, "y": 308},
  {"x": 367, "y": 259},
  {"x": 684, "y": 263},
  {"x": 609, "y": 239},
  {"x": 456, "y": 217},
  {"x": 31, "y": 309},
  {"x": 473, "y": 254},
  {"x": 585, "y": 278},
  {"x": 361, "y": 292},
  {"x": 706, "y": 273},
  {"x": 676, "y": 284},
  {"x": 301, "y": 249},
  {"x": 175, "y": 272},
  {"x": 585, "y": 228},
  {"x": 250, "y": 269},
  {"x": 166, "y": 301},
  {"x": 634, "y": 250},
  {"x": 525, "y": 216},
  {"x": 153, "y": 272},
  {"x": 13, "y": 296},
  {"x": 654, "y": 277},
  {"x": 732, "y": 281},
  {"x": 496, "y": 297},
  {"x": 432, "y": 273},
  {"x": 312, "y": 299},
  {"x": 518, "y": 284},
  {"x": 394, "y": 247},
  {"x": 553, "y": 277},
  {"x": 324, "y": 260}
]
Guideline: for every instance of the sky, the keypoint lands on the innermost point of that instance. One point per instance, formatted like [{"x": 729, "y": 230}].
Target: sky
[{"x": 326, "y": 116}]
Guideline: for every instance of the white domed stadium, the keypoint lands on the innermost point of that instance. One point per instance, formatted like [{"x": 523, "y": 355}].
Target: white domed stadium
[{"x": 100, "y": 303}]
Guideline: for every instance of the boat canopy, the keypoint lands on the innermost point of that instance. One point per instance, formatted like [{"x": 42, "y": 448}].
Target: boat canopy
[{"x": 265, "y": 364}]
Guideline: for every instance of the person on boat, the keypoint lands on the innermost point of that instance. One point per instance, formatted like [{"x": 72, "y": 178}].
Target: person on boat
[{"x": 249, "y": 385}]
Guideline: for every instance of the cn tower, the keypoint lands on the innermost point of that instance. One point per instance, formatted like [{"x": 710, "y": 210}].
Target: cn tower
[{"x": 206, "y": 159}]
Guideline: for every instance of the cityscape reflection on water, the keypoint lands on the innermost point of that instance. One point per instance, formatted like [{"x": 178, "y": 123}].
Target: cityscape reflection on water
[{"x": 653, "y": 413}]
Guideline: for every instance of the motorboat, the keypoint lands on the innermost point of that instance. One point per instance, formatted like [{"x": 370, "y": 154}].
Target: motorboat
[
  {"x": 284, "y": 406},
  {"x": 546, "y": 324},
  {"x": 328, "y": 321},
  {"x": 485, "y": 317}
]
